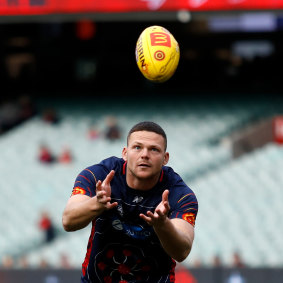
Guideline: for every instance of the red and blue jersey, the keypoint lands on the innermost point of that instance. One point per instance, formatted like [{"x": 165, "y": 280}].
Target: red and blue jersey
[{"x": 122, "y": 247}]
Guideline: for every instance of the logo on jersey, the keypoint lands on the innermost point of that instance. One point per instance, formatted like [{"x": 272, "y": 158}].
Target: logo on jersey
[
  {"x": 78, "y": 191},
  {"x": 189, "y": 217},
  {"x": 133, "y": 231},
  {"x": 124, "y": 263},
  {"x": 120, "y": 210},
  {"x": 117, "y": 225},
  {"x": 137, "y": 199}
]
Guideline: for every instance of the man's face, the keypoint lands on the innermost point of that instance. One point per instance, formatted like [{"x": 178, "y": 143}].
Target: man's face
[{"x": 145, "y": 155}]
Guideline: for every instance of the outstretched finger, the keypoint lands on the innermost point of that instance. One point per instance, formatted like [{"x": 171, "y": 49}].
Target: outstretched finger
[
  {"x": 161, "y": 213},
  {"x": 146, "y": 218},
  {"x": 166, "y": 205},
  {"x": 148, "y": 215},
  {"x": 104, "y": 200},
  {"x": 98, "y": 185},
  {"x": 100, "y": 194},
  {"x": 165, "y": 196},
  {"x": 109, "y": 177},
  {"x": 112, "y": 205}
]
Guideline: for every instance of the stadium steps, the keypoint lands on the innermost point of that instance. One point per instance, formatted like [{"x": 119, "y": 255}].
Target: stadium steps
[{"x": 241, "y": 209}]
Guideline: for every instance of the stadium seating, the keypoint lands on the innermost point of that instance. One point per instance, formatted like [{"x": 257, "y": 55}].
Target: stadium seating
[
  {"x": 243, "y": 200},
  {"x": 239, "y": 200}
]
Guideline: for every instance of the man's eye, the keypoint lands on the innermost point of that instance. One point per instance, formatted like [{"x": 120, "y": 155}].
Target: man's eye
[
  {"x": 154, "y": 149},
  {"x": 137, "y": 147}
]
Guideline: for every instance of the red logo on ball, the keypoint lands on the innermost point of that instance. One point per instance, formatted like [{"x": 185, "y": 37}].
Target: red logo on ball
[
  {"x": 159, "y": 55},
  {"x": 160, "y": 39}
]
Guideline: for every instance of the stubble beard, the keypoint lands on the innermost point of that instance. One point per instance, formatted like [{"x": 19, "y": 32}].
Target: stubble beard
[{"x": 151, "y": 178}]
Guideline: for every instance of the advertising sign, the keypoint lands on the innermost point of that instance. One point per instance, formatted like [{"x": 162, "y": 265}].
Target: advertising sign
[{"x": 40, "y": 7}]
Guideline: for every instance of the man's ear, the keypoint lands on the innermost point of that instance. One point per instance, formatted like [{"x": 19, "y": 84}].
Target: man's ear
[
  {"x": 166, "y": 158},
  {"x": 124, "y": 153}
]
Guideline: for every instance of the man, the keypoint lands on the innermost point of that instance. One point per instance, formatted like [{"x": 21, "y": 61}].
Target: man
[{"x": 142, "y": 212}]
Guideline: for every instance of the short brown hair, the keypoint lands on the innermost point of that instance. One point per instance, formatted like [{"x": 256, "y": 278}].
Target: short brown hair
[{"x": 149, "y": 127}]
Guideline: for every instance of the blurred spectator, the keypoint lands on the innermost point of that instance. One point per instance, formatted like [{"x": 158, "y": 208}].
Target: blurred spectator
[
  {"x": 43, "y": 263},
  {"x": 7, "y": 262},
  {"x": 92, "y": 133},
  {"x": 197, "y": 263},
  {"x": 237, "y": 260},
  {"x": 46, "y": 225},
  {"x": 50, "y": 116},
  {"x": 217, "y": 266},
  {"x": 45, "y": 155},
  {"x": 216, "y": 261},
  {"x": 112, "y": 131},
  {"x": 23, "y": 262},
  {"x": 66, "y": 156},
  {"x": 64, "y": 261}
]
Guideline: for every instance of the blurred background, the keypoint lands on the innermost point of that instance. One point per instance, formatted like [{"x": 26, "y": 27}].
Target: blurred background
[{"x": 71, "y": 90}]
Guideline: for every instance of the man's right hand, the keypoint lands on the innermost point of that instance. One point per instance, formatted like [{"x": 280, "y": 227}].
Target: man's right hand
[
  {"x": 82, "y": 209},
  {"x": 103, "y": 192}
]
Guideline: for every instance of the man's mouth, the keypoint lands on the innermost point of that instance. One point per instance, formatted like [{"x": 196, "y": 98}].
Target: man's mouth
[{"x": 144, "y": 165}]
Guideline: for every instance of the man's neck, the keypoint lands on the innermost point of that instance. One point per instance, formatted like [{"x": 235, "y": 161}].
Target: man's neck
[{"x": 141, "y": 184}]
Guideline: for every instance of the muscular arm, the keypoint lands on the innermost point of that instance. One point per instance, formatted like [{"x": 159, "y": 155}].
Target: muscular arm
[
  {"x": 79, "y": 212},
  {"x": 176, "y": 235},
  {"x": 81, "y": 209}
]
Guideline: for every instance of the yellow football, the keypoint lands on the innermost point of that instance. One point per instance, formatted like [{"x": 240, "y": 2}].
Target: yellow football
[{"x": 157, "y": 54}]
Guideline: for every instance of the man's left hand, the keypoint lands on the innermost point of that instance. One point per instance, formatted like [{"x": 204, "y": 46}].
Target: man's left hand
[{"x": 160, "y": 214}]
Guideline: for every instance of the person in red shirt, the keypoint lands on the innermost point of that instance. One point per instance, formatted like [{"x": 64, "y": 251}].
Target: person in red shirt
[
  {"x": 46, "y": 225},
  {"x": 45, "y": 155},
  {"x": 66, "y": 156}
]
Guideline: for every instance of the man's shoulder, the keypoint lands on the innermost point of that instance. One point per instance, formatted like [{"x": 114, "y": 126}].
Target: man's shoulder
[
  {"x": 100, "y": 170},
  {"x": 112, "y": 161},
  {"x": 170, "y": 175},
  {"x": 173, "y": 180},
  {"x": 108, "y": 164}
]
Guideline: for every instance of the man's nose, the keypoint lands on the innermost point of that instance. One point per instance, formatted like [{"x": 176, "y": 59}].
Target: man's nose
[{"x": 145, "y": 153}]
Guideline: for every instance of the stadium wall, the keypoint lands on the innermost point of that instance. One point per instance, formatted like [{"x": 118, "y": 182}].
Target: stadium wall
[{"x": 195, "y": 275}]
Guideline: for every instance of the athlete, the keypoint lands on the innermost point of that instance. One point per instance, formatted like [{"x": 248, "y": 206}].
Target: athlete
[{"x": 142, "y": 213}]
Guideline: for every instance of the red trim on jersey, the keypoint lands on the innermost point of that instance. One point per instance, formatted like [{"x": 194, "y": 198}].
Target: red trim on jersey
[
  {"x": 89, "y": 248},
  {"x": 191, "y": 208},
  {"x": 188, "y": 203},
  {"x": 89, "y": 191},
  {"x": 161, "y": 176},
  {"x": 85, "y": 178},
  {"x": 172, "y": 271},
  {"x": 124, "y": 168},
  {"x": 185, "y": 196}
]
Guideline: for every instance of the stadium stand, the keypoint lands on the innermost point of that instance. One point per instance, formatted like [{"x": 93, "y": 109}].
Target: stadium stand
[
  {"x": 239, "y": 199},
  {"x": 243, "y": 198}
]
